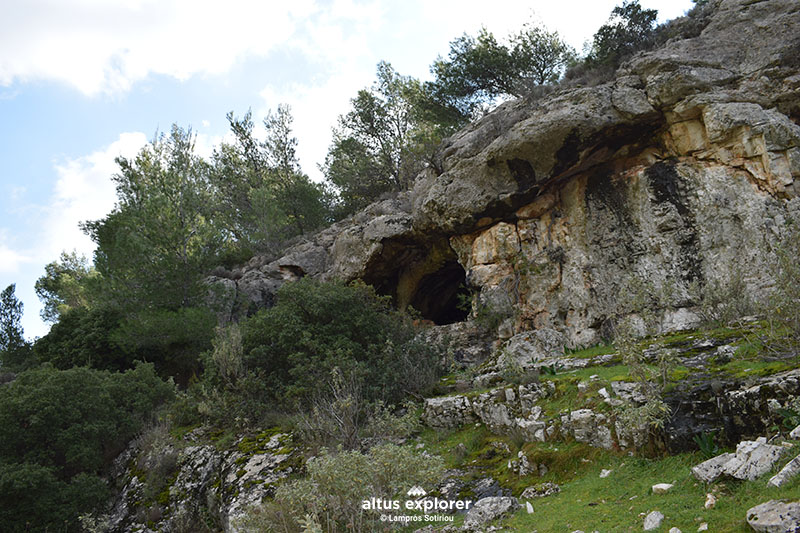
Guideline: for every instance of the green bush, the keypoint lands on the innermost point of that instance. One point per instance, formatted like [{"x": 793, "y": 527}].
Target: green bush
[
  {"x": 61, "y": 430},
  {"x": 82, "y": 337},
  {"x": 172, "y": 340},
  {"x": 316, "y": 327},
  {"x": 336, "y": 484}
]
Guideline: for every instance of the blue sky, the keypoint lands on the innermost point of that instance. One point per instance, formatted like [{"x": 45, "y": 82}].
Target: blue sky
[{"x": 84, "y": 81}]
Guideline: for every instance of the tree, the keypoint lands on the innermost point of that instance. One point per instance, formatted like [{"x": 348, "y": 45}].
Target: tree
[
  {"x": 64, "y": 285},
  {"x": 315, "y": 327},
  {"x": 14, "y": 351},
  {"x": 382, "y": 143},
  {"x": 61, "y": 431},
  {"x": 158, "y": 242},
  {"x": 629, "y": 28},
  {"x": 263, "y": 197},
  {"x": 479, "y": 70},
  {"x": 539, "y": 56}
]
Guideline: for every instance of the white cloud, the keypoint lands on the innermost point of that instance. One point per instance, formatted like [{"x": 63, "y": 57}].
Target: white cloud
[
  {"x": 11, "y": 261},
  {"x": 104, "y": 46},
  {"x": 84, "y": 191}
]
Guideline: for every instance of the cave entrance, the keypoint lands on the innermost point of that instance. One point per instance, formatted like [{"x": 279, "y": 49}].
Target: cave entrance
[
  {"x": 440, "y": 296},
  {"x": 426, "y": 276}
]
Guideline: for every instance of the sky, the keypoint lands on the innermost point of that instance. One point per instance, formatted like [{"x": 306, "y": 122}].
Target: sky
[{"x": 85, "y": 81}]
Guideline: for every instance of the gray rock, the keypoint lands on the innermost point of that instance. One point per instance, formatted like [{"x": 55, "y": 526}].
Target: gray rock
[
  {"x": 653, "y": 520},
  {"x": 751, "y": 460},
  {"x": 775, "y": 516},
  {"x": 530, "y": 347},
  {"x": 584, "y": 425},
  {"x": 709, "y": 470},
  {"x": 662, "y": 488},
  {"x": 540, "y": 491},
  {"x": 489, "y": 509},
  {"x": 787, "y": 473}
]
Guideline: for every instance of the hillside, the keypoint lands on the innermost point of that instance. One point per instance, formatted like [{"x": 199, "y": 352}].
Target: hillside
[{"x": 603, "y": 333}]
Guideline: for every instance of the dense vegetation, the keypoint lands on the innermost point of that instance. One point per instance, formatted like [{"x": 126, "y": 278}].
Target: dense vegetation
[{"x": 136, "y": 319}]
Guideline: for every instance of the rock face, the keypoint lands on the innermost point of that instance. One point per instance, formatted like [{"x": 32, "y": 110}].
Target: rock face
[
  {"x": 206, "y": 486},
  {"x": 675, "y": 174}
]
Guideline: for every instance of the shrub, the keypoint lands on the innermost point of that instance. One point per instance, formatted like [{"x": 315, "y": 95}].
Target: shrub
[
  {"x": 784, "y": 305},
  {"x": 82, "y": 337},
  {"x": 316, "y": 327},
  {"x": 61, "y": 429},
  {"x": 337, "y": 483}
]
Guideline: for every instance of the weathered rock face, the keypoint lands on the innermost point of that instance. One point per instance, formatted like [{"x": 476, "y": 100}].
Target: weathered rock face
[
  {"x": 203, "y": 486},
  {"x": 674, "y": 174}
]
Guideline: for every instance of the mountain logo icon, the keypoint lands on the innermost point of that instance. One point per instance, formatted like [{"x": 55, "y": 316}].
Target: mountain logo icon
[{"x": 416, "y": 491}]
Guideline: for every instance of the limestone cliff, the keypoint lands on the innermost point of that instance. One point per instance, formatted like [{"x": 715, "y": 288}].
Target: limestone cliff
[{"x": 678, "y": 172}]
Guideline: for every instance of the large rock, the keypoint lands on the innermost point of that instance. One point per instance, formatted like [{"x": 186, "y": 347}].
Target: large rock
[
  {"x": 584, "y": 425},
  {"x": 751, "y": 460},
  {"x": 207, "y": 483},
  {"x": 775, "y": 517},
  {"x": 675, "y": 172},
  {"x": 488, "y": 509},
  {"x": 788, "y": 472}
]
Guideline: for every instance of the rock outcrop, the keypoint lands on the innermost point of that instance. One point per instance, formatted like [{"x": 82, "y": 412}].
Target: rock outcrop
[
  {"x": 676, "y": 173},
  {"x": 203, "y": 486}
]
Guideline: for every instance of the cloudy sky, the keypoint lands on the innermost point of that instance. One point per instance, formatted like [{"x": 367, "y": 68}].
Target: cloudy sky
[{"x": 84, "y": 81}]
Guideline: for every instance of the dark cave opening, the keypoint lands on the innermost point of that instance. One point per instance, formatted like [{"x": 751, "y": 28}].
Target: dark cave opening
[{"x": 439, "y": 296}]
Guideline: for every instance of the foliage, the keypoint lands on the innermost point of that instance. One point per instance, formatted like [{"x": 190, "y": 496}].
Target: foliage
[
  {"x": 481, "y": 69},
  {"x": 64, "y": 285},
  {"x": 725, "y": 302},
  {"x": 14, "y": 350},
  {"x": 784, "y": 304},
  {"x": 172, "y": 340},
  {"x": 706, "y": 442},
  {"x": 382, "y": 143},
  {"x": 341, "y": 416},
  {"x": 261, "y": 195},
  {"x": 629, "y": 28},
  {"x": 337, "y": 484},
  {"x": 61, "y": 429},
  {"x": 539, "y": 56},
  {"x": 156, "y": 244},
  {"x": 640, "y": 300},
  {"x": 316, "y": 327},
  {"x": 82, "y": 337}
]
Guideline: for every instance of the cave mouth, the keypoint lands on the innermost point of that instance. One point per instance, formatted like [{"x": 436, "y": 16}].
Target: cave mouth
[{"x": 440, "y": 296}]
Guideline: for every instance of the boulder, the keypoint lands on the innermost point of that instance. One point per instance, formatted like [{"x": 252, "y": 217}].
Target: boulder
[
  {"x": 653, "y": 520},
  {"x": 488, "y": 509},
  {"x": 751, "y": 460},
  {"x": 775, "y": 516},
  {"x": 787, "y": 472}
]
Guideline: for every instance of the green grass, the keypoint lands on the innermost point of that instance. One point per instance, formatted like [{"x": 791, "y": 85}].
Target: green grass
[
  {"x": 590, "y": 352},
  {"x": 588, "y": 502}
]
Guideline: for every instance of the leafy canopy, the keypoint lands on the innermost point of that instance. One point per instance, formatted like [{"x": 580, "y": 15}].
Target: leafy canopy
[
  {"x": 262, "y": 196},
  {"x": 61, "y": 430},
  {"x": 316, "y": 327},
  {"x": 382, "y": 143},
  {"x": 629, "y": 28},
  {"x": 14, "y": 350}
]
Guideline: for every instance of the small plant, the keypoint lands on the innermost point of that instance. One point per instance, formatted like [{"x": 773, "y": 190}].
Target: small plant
[
  {"x": 706, "y": 442},
  {"x": 550, "y": 370}
]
